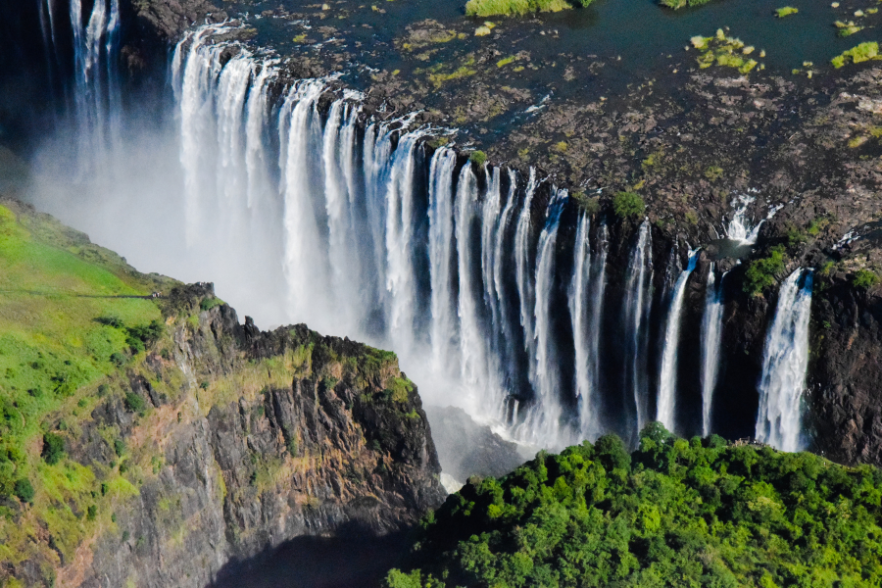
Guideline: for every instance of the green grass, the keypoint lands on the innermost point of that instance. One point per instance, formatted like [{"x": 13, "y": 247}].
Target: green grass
[
  {"x": 54, "y": 355},
  {"x": 724, "y": 51},
  {"x": 678, "y": 4},
  {"x": 483, "y": 8},
  {"x": 863, "y": 52},
  {"x": 786, "y": 11}
]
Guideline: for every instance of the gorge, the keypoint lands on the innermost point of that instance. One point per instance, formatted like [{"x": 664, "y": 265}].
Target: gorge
[{"x": 588, "y": 283}]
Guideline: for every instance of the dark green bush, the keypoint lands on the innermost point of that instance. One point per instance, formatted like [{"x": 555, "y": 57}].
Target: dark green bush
[
  {"x": 119, "y": 446},
  {"x": 135, "y": 403},
  {"x": 53, "y": 448},
  {"x": 24, "y": 490},
  {"x": 91, "y": 512},
  {"x": 628, "y": 205},
  {"x": 117, "y": 359},
  {"x": 143, "y": 336},
  {"x": 110, "y": 321}
]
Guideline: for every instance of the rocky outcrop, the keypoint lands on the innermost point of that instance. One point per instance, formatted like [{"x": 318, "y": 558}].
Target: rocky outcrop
[
  {"x": 249, "y": 439},
  {"x": 170, "y": 18}
]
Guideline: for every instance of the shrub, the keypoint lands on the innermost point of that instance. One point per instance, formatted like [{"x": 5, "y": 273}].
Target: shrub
[
  {"x": 53, "y": 448},
  {"x": 863, "y": 52},
  {"x": 209, "y": 303},
  {"x": 588, "y": 205},
  {"x": 398, "y": 390},
  {"x": 91, "y": 512},
  {"x": 628, "y": 205},
  {"x": 484, "y": 8},
  {"x": 119, "y": 446},
  {"x": 785, "y": 11},
  {"x": 715, "y": 172},
  {"x": 864, "y": 279},
  {"x": 135, "y": 403},
  {"x": 678, "y": 4},
  {"x": 761, "y": 273},
  {"x": 143, "y": 336},
  {"x": 117, "y": 359},
  {"x": 795, "y": 236},
  {"x": 24, "y": 490},
  {"x": 479, "y": 158},
  {"x": 110, "y": 321}
]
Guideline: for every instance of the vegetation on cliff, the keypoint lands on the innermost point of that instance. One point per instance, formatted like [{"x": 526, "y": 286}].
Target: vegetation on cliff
[
  {"x": 483, "y": 8},
  {"x": 109, "y": 390},
  {"x": 676, "y": 512}
]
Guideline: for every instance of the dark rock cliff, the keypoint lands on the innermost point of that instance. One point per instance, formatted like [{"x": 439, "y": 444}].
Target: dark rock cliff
[{"x": 272, "y": 436}]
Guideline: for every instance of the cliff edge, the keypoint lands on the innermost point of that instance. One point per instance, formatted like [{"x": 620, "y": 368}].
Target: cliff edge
[{"x": 149, "y": 438}]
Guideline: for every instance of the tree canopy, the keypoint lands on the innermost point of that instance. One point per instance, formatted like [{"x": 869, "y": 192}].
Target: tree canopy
[{"x": 675, "y": 512}]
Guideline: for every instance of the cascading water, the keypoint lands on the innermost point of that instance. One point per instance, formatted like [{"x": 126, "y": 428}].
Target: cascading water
[
  {"x": 580, "y": 314},
  {"x": 635, "y": 323},
  {"x": 667, "y": 399},
  {"x": 785, "y": 361},
  {"x": 586, "y": 294},
  {"x": 472, "y": 341},
  {"x": 441, "y": 253},
  {"x": 96, "y": 94},
  {"x": 524, "y": 274},
  {"x": 545, "y": 418},
  {"x": 310, "y": 210},
  {"x": 711, "y": 338},
  {"x": 739, "y": 227}
]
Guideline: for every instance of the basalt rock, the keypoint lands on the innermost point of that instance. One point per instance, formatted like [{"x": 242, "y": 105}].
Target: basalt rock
[{"x": 272, "y": 436}]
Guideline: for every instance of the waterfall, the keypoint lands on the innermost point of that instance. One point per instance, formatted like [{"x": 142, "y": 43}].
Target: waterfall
[
  {"x": 586, "y": 295},
  {"x": 524, "y": 274},
  {"x": 493, "y": 293},
  {"x": 667, "y": 391},
  {"x": 305, "y": 261},
  {"x": 301, "y": 203},
  {"x": 472, "y": 337},
  {"x": 545, "y": 417},
  {"x": 579, "y": 304},
  {"x": 441, "y": 252},
  {"x": 636, "y": 316},
  {"x": 711, "y": 338},
  {"x": 785, "y": 361},
  {"x": 96, "y": 95},
  {"x": 505, "y": 331},
  {"x": 739, "y": 227}
]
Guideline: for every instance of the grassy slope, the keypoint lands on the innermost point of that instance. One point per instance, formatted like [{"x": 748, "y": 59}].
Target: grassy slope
[
  {"x": 60, "y": 360},
  {"x": 53, "y": 358}
]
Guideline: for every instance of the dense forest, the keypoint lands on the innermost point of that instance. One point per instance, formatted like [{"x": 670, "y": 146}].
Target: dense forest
[{"x": 675, "y": 512}]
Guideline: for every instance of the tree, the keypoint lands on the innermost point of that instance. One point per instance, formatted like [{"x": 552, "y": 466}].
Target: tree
[
  {"x": 53, "y": 448},
  {"x": 24, "y": 490},
  {"x": 628, "y": 205}
]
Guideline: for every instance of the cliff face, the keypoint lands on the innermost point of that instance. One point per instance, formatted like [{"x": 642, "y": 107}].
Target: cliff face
[
  {"x": 845, "y": 395},
  {"x": 213, "y": 444},
  {"x": 333, "y": 448}
]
